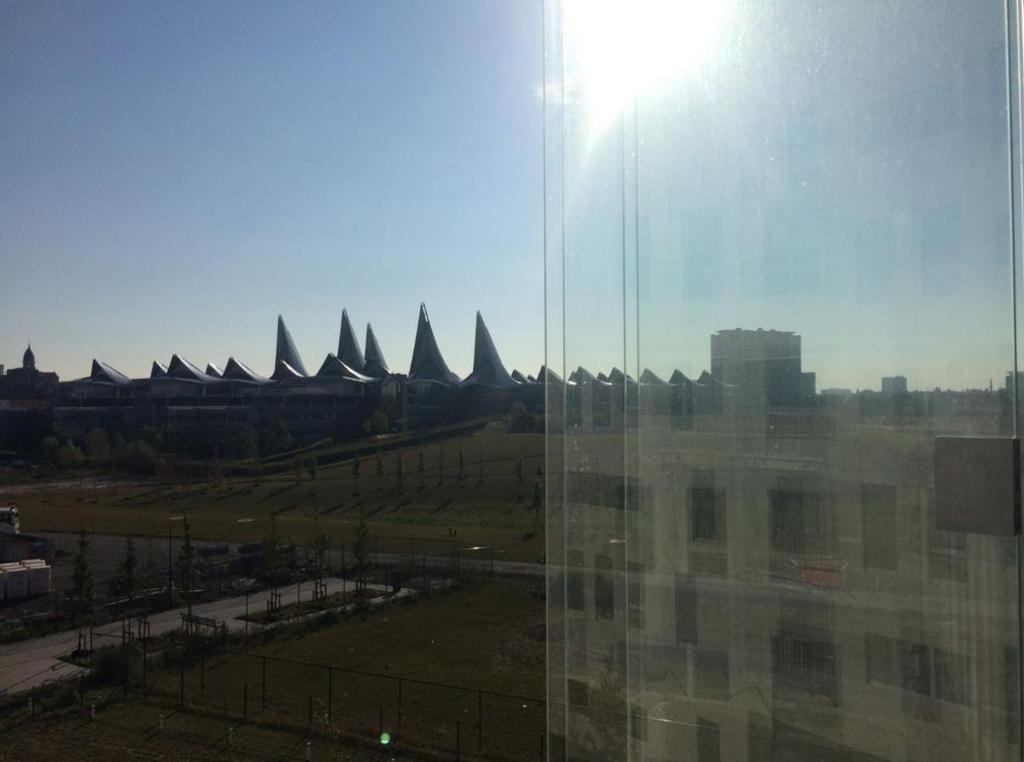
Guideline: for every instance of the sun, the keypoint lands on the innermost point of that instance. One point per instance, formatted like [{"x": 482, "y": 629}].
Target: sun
[{"x": 617, "y": 50}]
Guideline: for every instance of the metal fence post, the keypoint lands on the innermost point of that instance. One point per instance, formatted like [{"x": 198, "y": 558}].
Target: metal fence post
[
  {"x": 245, "y": 700},
  {"x": 309, "y": 717},
  {"x": 264, "y": 700},
  {"x": 202, "y": 672},
  {"x": 181, "y": 684},
  {"x": 330, "y": 693},
  {"x": 479, "y": 720},
  {"x": 399, "y": 703},
  {"x": 380, "y": 721},
  {"x": 458, "y": 740}
]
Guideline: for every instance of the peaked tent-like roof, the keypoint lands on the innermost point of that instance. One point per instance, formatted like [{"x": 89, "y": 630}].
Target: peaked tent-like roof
[
  {"x": 333, "y": 367},
  {"x": 679, "y": 378},
  {"x": 285, "y": 372},
  {"x": 706, "y": 379},
  {"x": 518, "y": 377},
  {"x": 427, "y": 362},
  {"x": 106, "y": 374},
  {"x": 583, "y": 376},
  {"x": 652, "y": 378},
  {"x": 286, "y": 351},
  {"x": 237, "y": 371},
  {"x": 488, "y": 370},
  {"x": 213, "y": 370},
  {"x": 182, "y": 369},
  {"x": 375, "y": 364},
  {"x": 545, "y": 374},
  {"x": 158, "y": 370},
  {"x": 348, "y": 345},
  {"x": 618, "y": 377}
]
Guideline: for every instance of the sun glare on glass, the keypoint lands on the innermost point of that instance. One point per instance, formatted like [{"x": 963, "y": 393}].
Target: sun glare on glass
[{"x": 625, "y": 49}]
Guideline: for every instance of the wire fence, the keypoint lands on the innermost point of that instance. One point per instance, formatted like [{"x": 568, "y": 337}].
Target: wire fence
[
  {"x": 337, "y": 702},
  {"x": 236, "y": 698},
  {"x": 421, "y": 562},
  {"x": 216, "y": 697},
  {"x": 206, "y": 675}
]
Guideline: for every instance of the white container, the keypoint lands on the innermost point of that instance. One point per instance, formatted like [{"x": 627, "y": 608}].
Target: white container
[
  {"x": 16, "y": 581},
  {"x": 38, "y": 576},
  {"x": 39, "y": 580}
]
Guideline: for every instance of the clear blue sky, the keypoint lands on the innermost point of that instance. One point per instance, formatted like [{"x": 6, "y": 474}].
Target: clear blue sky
[{"x": 174, "y": 175}]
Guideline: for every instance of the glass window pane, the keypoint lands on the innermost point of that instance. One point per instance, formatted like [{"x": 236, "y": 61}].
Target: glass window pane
[{"x": 780, "y": 270}]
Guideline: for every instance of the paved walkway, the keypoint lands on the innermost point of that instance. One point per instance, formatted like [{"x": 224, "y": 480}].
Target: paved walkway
[{"x": 31, "y": 663}]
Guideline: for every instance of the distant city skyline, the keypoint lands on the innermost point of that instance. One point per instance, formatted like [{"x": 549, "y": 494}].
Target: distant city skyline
[
  {"x": 176, "y": 176},
  {"x": 401, "y": 365}
]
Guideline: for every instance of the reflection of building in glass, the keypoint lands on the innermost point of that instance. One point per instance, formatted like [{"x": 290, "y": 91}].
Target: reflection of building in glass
[
  {"x": 726, "y": 593},
  {"x": 755, "y": 375},
  {"x": 769, "y": 581}
]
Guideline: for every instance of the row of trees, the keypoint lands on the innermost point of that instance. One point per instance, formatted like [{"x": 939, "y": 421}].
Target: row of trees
[
  {"x": 100, "y": 449},
  {"x": 421, "y": 467},
  {"x": 153, "y": 449}
]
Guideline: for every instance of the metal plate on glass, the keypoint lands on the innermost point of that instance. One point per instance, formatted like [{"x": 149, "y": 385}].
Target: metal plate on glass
[{"x": 977, "y": 485}]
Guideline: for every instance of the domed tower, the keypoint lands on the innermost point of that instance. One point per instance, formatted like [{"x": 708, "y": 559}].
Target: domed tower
[{"x": 28, "y": 360}]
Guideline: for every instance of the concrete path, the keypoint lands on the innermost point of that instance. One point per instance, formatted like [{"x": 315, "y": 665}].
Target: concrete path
[{"x": 32, "y": 663}]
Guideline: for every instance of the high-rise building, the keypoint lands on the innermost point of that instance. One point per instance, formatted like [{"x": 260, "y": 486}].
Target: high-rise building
[
  {"x": 894, "y": 385},
  {"x": 759, "y": 370}
]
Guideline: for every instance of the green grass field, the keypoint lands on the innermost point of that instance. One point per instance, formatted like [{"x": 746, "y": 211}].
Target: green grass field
[
  {"x": 470, "y": 662},
  {"x": 488, "y": 638},
  {"x": 489, "y": 505}
]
